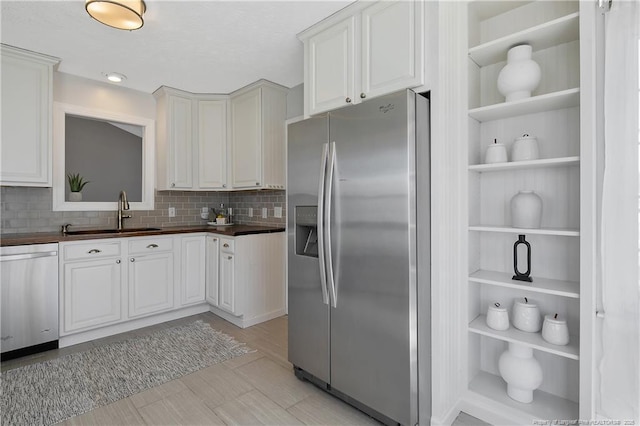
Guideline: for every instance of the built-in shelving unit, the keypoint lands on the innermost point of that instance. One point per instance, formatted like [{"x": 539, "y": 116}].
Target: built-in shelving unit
[{"x": 553, "y": 115}]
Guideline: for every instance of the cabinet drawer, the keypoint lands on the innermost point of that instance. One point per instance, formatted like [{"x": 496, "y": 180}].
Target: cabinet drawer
[
  {"x": 94, "y": 250},
  {"x": 227, "y": 245},
  {"x": 150, "y": 245}
]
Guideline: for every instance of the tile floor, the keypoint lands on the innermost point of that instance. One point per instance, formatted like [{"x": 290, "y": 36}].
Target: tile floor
[{"x": 257, "y": 388}]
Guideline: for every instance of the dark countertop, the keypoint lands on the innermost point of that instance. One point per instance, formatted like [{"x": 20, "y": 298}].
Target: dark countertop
[{"x": 59, "y": 237}]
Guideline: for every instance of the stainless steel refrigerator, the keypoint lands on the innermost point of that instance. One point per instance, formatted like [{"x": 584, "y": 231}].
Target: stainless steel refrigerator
[{"x": 358, "y": 255}]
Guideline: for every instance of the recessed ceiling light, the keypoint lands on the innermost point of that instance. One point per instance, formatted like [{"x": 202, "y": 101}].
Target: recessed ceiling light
[{"x": 115, "y": 77}]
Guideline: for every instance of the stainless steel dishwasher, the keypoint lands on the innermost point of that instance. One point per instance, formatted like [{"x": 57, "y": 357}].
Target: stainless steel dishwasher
[{"x": 29, "y": 299}]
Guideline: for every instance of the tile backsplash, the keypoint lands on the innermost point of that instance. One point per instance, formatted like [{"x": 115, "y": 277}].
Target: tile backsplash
[{"x": 25, "y": 209}]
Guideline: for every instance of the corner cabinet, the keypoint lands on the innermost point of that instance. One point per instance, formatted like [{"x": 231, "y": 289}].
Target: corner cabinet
[
  {"x": 363, "y": 51},
  {"x": 27, "y": 99},
  {"x": 562, "y": 176},
  {"x": 258, "y": 113},
  {"x": 192, "y": 140}
]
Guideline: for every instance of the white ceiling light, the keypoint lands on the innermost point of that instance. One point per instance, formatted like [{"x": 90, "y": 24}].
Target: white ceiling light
[
  {"x": 115, "y": 77},
  {"x": 121, "y": 14}
]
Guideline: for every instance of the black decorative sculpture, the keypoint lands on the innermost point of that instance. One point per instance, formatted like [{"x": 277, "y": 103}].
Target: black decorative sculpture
[{"x": 519, "y": 275}]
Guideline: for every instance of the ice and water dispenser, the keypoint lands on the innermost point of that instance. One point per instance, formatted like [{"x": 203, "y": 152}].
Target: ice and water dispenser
[{"x": 307, "y": 231}]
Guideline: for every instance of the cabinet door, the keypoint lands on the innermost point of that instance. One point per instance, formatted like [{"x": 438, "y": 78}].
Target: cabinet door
[
  {"x": 228, "y": 297},
  {"x": 91, "y": 294},
  {"x": 212, "y": 144},
  {"x": 213, "y": 269},
  {"x": 192, "y": 270},
  {"x": 180, "y": 141},
  {"x": 330, "y": 59},
  {"x": 246, "y": 119},
  {"x": 26, "y": 122},
  {"x": 150, "y": 284},
  {"x": 392, "y": 48}
]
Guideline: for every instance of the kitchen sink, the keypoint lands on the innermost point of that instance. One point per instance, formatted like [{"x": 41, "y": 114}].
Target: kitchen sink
[{"x": 110, "y": 231}]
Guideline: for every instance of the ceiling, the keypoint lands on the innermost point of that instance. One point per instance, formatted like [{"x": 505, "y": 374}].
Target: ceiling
[{"x": 198, "y": 46}]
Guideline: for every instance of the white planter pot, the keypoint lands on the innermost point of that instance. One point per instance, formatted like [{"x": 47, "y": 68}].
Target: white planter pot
[
  {"x": 525, "y": 149},
  {"x": 521, "y": 371},
  {"x": 526, "y": 210},
  {"x": 75, "y": 196},
  {"x": 520, "y": 76}
]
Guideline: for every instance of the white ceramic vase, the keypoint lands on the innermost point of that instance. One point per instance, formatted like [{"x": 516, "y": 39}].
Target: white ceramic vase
[
  {"x": 525, "y": 148},
  {"x": 526, "y": 210},
  {"x": 521, "y": 371},
  {"x": 75, "y": 196},
  {"x": 520, "y": 76}
]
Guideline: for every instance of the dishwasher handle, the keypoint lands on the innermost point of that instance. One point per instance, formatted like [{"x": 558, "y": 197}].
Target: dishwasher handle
[{"x": 24, "y": 256}]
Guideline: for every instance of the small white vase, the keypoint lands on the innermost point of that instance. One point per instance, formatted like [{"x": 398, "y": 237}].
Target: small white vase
[
  {"x": 75, "y": 196},
  {"x": 520, "y": 76},
  {"x": 521, "y": 371},
  {"x": 526, "y": 210},
  {"x": 525, "y": 148}
]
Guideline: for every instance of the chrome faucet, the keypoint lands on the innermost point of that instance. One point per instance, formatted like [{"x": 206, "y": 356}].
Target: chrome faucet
[{"x": 123, "y": 204}]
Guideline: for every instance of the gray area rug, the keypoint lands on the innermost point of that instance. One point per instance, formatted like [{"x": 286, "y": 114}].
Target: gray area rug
[{"x": 52, "y": 391}]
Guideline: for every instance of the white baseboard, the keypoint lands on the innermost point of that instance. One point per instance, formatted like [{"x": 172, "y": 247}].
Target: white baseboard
[
  {"x": 246, "y": 322},
  {"x": 110, "y": 330}
]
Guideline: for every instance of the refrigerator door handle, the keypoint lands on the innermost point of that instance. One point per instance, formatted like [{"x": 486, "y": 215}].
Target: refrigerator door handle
[
  {"x": 320, "y": 221},
  {"x": 327, "y": 227}
]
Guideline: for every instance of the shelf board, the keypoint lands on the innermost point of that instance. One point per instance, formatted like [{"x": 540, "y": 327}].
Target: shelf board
[
  {"x": 552, "y": 33},
  {"x": 488, "y": 391},
  {"x": 547, "y": 102},
  {"x": 532, "y": 340},
  {"x": 569, "y": 289},
  {"x": 563, "y": 232},
  {"x": 522, "y": 165}
]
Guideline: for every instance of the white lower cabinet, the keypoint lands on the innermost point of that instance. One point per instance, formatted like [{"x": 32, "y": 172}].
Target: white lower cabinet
[
  {"x": 227, "y": 284},
  {"x": 150, "y": 284},
  {"x": 251, "y": 277},
  {"x": 91, "y": 294},
  {"x": 212, "y": 269},
  {"x": 192, "y": 282}
]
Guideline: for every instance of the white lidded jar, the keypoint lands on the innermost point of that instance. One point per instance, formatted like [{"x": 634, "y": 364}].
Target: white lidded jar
[
  {"x": 526, "y": 210},
  {"x": 495, "y": 153},
  {"x": 520, "y": 76},
  {"x": 526, "y": 315},
  {"x": 521, "y": 371},
  {"x": 525, "y": 148},
  {"x": 555, "y": 330},
  {"x": 497, "y": 317}
]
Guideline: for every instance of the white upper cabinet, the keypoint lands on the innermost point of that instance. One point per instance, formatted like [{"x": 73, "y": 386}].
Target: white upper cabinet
[
  {"x": 26, "y": 147},
  {"x": 212, "y": 143},
  {"x": 258, "y": 113},
  {"x": 191, "y": 139},
  {"x": 365, "y": 50},
  {"x": 330, "y": 66}
]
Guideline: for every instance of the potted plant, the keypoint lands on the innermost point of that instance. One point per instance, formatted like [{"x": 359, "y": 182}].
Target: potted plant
[{"x": 76, "y": 183}]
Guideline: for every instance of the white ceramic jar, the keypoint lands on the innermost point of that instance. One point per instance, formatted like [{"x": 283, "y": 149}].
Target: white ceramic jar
[
  {"x": 555, "y": 330},
  {"x": 526, "y": 315},
  {"x": 520, "y": 76},
  {"x": 496, "y": 153},
  {"x": 497, "y": 317},
  {"x": 526, "y": 210},
  {"x": 521, "y": 371},
  {"x": 525, "y": 148}
]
